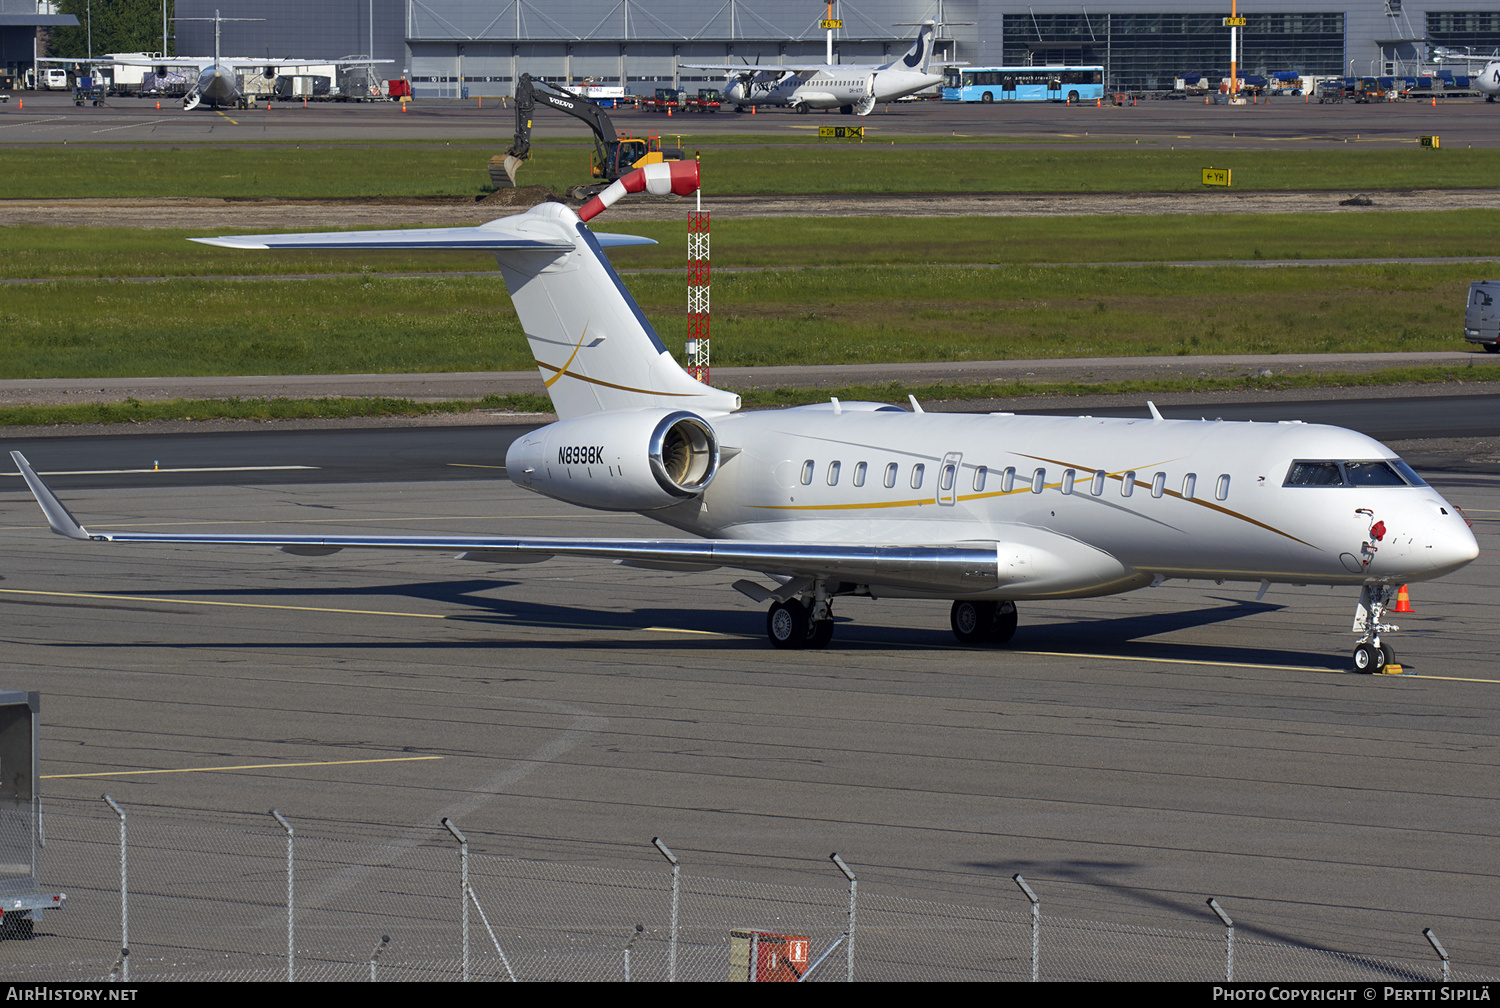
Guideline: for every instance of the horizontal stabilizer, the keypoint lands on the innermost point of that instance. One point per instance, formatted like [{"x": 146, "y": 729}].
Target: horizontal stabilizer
[{"x": 486, "y": 237}]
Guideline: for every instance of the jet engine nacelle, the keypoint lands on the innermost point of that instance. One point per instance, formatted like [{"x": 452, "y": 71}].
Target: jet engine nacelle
[{"x": 635, "y": 460}]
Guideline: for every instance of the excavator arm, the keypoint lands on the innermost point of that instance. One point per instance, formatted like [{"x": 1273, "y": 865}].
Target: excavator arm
[{"x": 529, "y": 94}]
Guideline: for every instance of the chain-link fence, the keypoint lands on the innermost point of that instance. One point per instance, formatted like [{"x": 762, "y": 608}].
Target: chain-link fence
[{"x": 216, "y": 896}]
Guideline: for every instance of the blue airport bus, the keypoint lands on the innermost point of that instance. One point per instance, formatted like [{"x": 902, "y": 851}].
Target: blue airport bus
[{"x": 1023, "y": 83}]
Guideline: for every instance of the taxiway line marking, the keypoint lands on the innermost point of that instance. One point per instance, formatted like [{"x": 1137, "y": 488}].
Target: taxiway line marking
[
  {"x": 248, "y": 766},
  {"x": 148, "y": 122},
  {"x": 1229, "y": 664},
  {"x": 32, "y": 122},
  {"x": 211, "y": 602},
  {"x": 180, "y": 469},
  {"x": 345, "y": 612}
]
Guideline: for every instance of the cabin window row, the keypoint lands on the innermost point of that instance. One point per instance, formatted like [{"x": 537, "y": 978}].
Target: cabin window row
[{"x": 1007, "y": 479}]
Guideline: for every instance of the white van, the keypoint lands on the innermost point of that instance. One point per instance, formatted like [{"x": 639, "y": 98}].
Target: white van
[
  {"x": 1482, "y": 315},
  {"x": 52, "y": 79}
]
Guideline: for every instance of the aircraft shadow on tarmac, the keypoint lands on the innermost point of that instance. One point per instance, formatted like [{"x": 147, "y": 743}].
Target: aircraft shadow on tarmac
[
  {"x": 1105, "y": 876},
  {"x": 859, "y": 626}
]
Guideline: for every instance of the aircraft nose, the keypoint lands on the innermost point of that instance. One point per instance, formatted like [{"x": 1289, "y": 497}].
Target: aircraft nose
[{"x": 1449, "y": 545}]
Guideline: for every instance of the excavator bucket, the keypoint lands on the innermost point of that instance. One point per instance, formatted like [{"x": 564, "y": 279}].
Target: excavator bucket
[{"x": 503, "y": 170}]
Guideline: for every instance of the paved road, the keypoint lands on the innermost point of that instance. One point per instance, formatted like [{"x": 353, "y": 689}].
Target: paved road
[
  {"x": 1285, "y": 124},
  {"x": 443, "y": 386},
  {"x": 266, "y": 454}
]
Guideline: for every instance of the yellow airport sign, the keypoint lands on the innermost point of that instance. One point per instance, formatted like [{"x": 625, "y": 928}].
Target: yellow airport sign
[
  {"x": 1216, "y": 176},
  {"x": 831, "y": 24},
  {"x": 1235, "y": 22},
  {"x": 1428, "y": 141},
  {"x": 842, "y": 132}
]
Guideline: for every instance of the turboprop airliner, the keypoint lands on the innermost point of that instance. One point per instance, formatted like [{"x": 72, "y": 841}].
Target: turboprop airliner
[
  {"x": 850, "y": 88},
  {"x": 846, "y": 499},
  {"x": 1488, "y": 80},
  {"x": 219, "y": 79}
]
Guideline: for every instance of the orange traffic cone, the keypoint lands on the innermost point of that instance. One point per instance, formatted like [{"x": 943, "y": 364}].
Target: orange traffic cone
[
  {"x": 1434, "y": 101},
  {"x": 1403, "y": 601},
  {"x": 158, "y": 104}
]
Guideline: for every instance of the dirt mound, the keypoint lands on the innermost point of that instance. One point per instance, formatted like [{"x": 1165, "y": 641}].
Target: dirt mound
[{"x": 520, "y": 197}]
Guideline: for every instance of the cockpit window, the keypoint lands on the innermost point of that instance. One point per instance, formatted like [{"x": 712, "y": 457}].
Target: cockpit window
[
  {"x": 1408, "y": 473},
  {"x": 1371, "y": 473},
  {"x": 1314, "y": 474}
]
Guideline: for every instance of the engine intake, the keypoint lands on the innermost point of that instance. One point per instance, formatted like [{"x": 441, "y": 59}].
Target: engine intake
[
  {"x": 683, "y": 453},
  {"x": 637, "y": 460}
]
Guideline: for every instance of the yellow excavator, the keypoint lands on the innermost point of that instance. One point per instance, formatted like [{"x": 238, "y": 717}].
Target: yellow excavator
[{"x": 615, "y": 154}]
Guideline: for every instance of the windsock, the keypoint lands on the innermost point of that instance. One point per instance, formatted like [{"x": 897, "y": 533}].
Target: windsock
[{"x": 680, "y": 177}]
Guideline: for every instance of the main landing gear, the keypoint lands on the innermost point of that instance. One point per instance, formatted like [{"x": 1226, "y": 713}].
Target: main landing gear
[
  {"x": 791, "y": 625},
  {"x": 806, "y": 620},
  {"x": 983, "y": 622},
  {"x": 1371, "y": 654}
]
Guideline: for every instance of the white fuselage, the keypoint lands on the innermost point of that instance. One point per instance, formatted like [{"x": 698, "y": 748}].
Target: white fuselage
[
  {"x": 1488, "y": 80},
  {"x": 836, "y": 87},
  {"x": 218, "y": 86},
  {"x": 1093, "y": 506}
]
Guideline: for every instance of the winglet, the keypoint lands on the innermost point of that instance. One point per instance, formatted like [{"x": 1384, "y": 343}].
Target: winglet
[{"x": 58, "y": 516}]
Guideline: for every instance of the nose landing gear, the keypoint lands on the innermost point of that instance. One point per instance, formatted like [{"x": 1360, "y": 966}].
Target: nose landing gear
[{"x": 1370, "y": 653}]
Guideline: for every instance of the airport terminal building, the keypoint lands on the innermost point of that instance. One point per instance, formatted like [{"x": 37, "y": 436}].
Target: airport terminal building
[{"x": 452, "y": 48}]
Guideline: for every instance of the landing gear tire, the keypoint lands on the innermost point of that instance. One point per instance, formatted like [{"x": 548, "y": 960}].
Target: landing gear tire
[
  {"x": 846, "y": 110},
  {"x": 802, "y": 109},
  {"x": 981, "y": 622},
  {"x": 1369, "y": 658},
  {"x": 1004, "y": 627},
  {"x": 972, "y": 620},
  {"x": 787, "y": 625},
  {"x": 820, "y": 634}
]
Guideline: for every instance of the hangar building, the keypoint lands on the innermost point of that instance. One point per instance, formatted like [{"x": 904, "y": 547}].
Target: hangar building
[{"x": 452, "y": 48}]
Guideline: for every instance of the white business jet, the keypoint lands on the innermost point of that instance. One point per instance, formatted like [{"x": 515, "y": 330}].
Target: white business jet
[
  {"x": 867, "y": 499},
  {"x": 850, "y": 88}
]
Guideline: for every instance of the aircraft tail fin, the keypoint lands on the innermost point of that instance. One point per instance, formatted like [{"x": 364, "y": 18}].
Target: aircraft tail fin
[
  {"x": 592, "y": 343},
  {"x": 920, "y": 54}
]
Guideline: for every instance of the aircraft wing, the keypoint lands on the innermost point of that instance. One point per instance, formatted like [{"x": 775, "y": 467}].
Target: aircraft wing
[
  {"x": 963, "y": 567},
  {"x": 246, "y": 63},
  {"x": 235, "y": 63},
  {"x": 766, "y": 67},
  {"x": 485, "y": 236}
]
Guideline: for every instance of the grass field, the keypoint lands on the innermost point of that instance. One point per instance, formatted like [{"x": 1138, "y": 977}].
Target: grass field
[
  {"x": 383, "y": 324},
  {"x": 789, "y": 166},
  {"x": 125, "y": 252}
]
